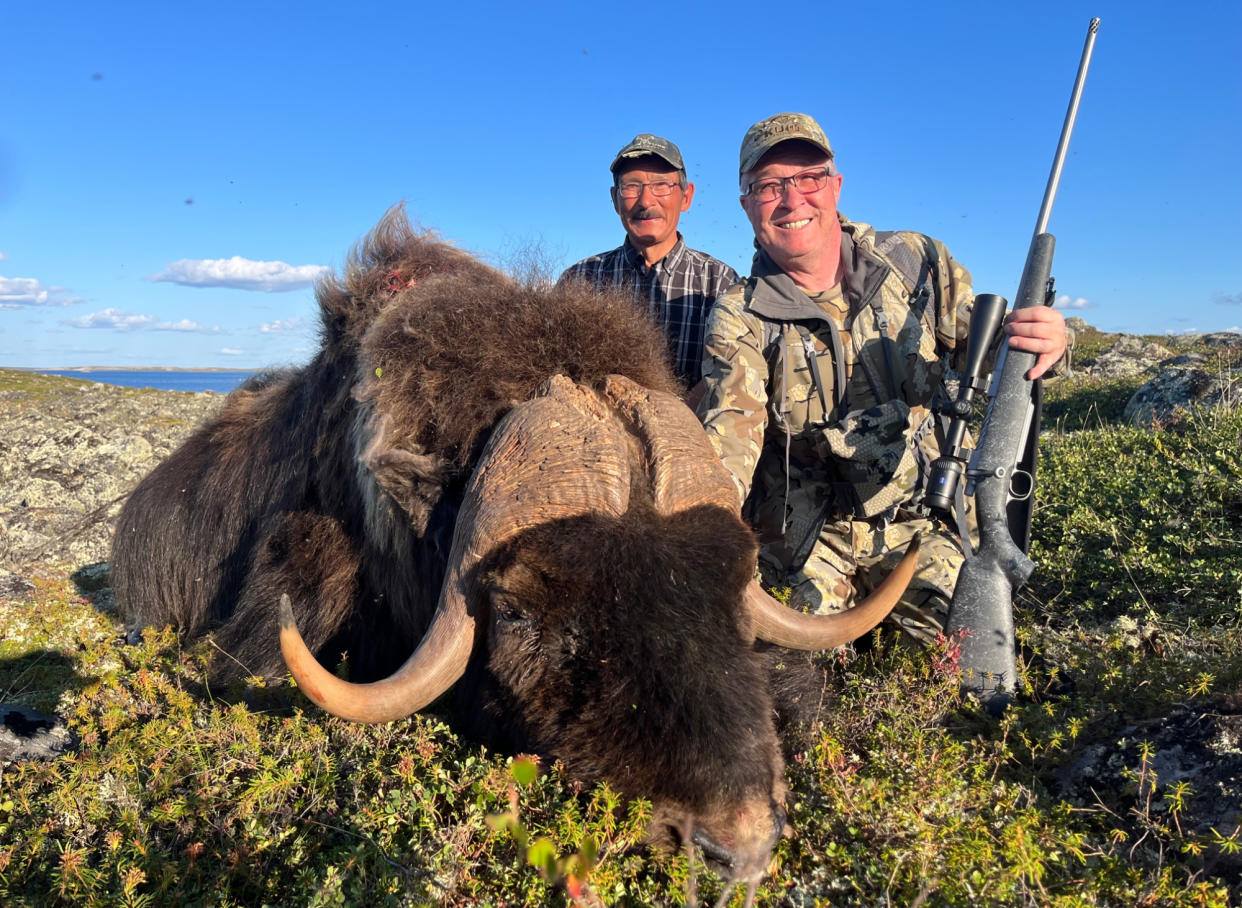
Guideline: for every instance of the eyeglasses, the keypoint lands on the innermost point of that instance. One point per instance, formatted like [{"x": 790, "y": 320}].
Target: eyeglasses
[
  {"x": 659, "y": 189},
  {"x": 806, "y": 182}
]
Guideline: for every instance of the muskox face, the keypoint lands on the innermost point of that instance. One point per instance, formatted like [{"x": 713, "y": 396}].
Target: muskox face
[
  {"x": 599, "y": 563},
  {"x": 637, "y": 665}
]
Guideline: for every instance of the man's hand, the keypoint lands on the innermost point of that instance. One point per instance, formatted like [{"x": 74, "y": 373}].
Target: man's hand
[{"x": 1039, "y": 330}]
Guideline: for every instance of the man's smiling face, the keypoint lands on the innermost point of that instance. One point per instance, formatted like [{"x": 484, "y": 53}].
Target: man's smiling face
[
  {"x": 650, "y": 220},
  {"x": 796, "y": 229}
]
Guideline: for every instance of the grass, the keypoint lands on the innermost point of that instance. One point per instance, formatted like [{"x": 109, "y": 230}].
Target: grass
[
  {"x": 906, "y": 795},
  {"x": 17, "y": 380}
]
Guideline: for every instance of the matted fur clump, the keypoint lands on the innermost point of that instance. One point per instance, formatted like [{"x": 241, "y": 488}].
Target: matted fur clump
[
  {"x": 389, "y": 259},
  {"x": 452, "y": 344}
]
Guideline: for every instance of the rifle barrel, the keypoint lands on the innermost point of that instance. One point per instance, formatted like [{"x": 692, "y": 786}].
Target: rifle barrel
[{"x": 1054, "y": 178}]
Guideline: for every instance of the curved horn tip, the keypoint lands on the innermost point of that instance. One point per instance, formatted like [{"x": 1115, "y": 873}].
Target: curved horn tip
[
  {"x": 287, "y": 622},
  {"x": 777, "y": 623}
]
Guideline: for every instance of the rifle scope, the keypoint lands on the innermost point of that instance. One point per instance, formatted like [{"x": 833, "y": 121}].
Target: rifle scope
[{"x": 947, "y": 469}]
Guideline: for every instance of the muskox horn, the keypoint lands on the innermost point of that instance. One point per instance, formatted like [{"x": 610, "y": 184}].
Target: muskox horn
[
  {"x": 558, "y": 455},
  {"x": 686, "y": 472},
  {"x": 437, "y": 663},
  {"x": 684, "y": 469},
  {"x": 779, "y": 624}
]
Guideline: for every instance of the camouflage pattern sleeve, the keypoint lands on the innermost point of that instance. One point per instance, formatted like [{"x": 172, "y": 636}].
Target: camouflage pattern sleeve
[
  {"x": 735, "y": 374},
  {"x": 954, "y": 300}
]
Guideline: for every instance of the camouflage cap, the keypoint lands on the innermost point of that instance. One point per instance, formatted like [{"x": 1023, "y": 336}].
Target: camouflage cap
[
  {"x": 767, "y": 134},
  {"x": 645, "y": 144}
]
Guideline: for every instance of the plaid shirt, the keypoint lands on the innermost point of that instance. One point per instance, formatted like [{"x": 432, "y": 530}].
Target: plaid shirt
[{"x": 679, "y": 291}]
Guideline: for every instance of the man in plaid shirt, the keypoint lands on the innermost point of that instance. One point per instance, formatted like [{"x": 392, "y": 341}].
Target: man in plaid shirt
[{"x": 678, "y": 284}]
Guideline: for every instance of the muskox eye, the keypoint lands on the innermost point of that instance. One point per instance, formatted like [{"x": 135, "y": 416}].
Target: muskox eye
[{"x": 505, "y": 608}]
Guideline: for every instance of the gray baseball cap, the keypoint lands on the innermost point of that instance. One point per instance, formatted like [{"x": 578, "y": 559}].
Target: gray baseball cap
[
  {"x": 767, "y": 134},
  {"x": 645, "y": 144}
]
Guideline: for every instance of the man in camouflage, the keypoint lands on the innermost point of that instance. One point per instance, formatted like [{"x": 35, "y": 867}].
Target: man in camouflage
[{"x": 821, "y": 373}]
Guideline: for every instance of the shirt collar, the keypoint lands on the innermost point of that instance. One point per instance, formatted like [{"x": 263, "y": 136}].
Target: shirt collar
[{"x": 670, "y": 261}]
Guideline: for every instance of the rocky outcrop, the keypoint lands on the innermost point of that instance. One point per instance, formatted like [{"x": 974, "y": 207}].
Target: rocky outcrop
[
  {"x": 1178, "y": 382},
  {"x": 70, "y": 451},
  {"x": 1183, "y": 384},
  {"x": 1130, "y": 355},
  {"x": 1216, "y": 339}
]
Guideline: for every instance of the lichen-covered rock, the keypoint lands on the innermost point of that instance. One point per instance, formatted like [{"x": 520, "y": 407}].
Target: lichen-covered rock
[
  {"x": 29, "y": 735},
  {"x": 1183, "y": 384},
  {"x": 1215, "y": 339},
  {"x": 1130, "y": 355},
  {"x": 13, "y": 586},
  {"x": 70, "y": 451},
  {"x": 1201, "y": 749}
]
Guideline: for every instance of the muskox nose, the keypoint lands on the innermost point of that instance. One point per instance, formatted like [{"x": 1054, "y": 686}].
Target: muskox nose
[
  {"x": 746, "y": 856},
  {"x": 712, "y": 850}
]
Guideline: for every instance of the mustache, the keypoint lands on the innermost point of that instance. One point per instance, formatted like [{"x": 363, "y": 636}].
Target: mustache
[{"x": 644, "y": 212}]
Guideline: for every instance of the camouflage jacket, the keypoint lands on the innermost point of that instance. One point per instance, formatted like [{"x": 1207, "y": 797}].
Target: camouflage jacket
[{"x": 825, "y": 404}]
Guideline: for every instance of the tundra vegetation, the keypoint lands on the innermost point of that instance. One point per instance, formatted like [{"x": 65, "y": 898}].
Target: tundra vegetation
[{"x": 1117, "y": 781}]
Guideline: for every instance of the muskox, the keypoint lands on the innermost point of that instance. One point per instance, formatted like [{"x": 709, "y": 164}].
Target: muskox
[{"x": 500, "y": 477}]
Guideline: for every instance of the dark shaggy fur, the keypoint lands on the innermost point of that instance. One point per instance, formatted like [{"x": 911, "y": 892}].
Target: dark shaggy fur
[
  {"x": 616, "y": 644},
  {"x": 440, "y": 383},
  {"x": 636, "y": 667},
  {"x": 270, "y": 495}
]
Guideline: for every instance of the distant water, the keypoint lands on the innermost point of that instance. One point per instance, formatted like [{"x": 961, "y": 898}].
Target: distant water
[{"x": 163, "y": 381}]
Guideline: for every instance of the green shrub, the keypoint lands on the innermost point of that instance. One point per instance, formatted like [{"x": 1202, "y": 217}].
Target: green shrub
[
  {"x": 1132, "y": 521},
  {"x": 1082, "y": 402}
]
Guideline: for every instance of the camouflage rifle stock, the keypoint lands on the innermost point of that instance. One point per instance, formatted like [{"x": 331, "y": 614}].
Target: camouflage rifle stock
[{"x": 1002, "y": 472}]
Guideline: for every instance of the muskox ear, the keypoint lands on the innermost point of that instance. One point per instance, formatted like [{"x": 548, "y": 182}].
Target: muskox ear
[{"x": 412, "y": 479}]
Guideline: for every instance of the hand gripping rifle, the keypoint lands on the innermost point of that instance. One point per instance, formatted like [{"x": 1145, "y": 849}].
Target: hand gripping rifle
[{"x": 1002, "y": 469}]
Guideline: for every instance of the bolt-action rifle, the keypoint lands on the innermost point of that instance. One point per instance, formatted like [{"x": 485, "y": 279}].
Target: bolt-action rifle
[{"x": 1001, "y": 472}]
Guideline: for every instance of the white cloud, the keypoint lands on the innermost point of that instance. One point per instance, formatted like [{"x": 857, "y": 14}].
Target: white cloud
[
  {"x": 232, "y": 351},
  {"x": 4, "y": 256},
  {"x": 1064, "y": 302},
  {"x": 118, "y": 320},
  {"x": 240, "y": 274},
  {"x": 27, "y": 291},
  {"x": 186, "y": 324},
  {"x": 112, "y": 318},
  {"x": 281, "y": 325}
]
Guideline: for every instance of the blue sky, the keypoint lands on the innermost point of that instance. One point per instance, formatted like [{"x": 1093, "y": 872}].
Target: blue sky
[{"x": 172, "y": 176}]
